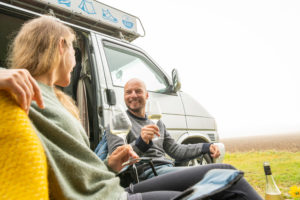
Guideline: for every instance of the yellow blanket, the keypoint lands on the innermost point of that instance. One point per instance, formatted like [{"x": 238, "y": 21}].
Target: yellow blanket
[{"x": 23, "y": 165}]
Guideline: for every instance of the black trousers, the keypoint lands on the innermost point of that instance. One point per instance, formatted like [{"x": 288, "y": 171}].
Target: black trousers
[{"x": 169, "y": 185}]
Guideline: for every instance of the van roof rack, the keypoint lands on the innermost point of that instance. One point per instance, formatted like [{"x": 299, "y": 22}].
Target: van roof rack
[{"x": 89, "y": 14}]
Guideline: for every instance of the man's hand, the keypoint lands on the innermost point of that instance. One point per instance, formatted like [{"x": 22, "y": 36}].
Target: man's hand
[
  {"x": 214, "y": 151},
  {"x": 119, "y": 156},
  {"x": 148, "y": 132},
  {"x": 20, "y": 83}
]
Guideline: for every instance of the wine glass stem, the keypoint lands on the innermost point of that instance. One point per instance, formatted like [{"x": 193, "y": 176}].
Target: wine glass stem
[{"x": 125, "y": 140}]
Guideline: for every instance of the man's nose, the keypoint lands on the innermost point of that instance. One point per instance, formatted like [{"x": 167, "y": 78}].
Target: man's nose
[{"x": 133, "y": 94}]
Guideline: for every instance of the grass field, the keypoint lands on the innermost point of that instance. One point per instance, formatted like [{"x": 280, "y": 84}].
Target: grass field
[
  {"x": 280, "y": 142},
  {"x": 285, "y": 167}
]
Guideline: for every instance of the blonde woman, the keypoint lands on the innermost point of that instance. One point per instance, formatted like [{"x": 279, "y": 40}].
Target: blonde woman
[{"x": 43, "y": 46}]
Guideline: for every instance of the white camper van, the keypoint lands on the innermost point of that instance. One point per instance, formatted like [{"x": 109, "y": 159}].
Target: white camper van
[{"x": 106, "y": 59}]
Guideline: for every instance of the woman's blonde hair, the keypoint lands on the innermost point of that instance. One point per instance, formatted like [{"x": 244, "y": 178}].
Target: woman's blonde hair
[{"x": 36, "y": 48}]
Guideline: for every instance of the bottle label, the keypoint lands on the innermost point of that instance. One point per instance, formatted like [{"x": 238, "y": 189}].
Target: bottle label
[
  {"x": 267, "y": 170},
  {"x": 273, "y": 197}
]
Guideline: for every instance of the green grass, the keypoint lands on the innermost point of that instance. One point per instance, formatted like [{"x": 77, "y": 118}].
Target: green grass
[{"x": 285, "y": 168}]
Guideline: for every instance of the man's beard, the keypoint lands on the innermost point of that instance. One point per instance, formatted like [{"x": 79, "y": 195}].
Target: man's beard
[{"x": 137, "y": 110}]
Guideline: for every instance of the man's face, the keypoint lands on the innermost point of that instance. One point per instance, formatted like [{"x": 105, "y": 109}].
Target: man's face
[{"x": 135, "y": 96}]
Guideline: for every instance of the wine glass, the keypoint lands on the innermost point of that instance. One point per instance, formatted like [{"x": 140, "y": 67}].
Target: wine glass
[
  {"x": 153, "y": 112},
  {"x": 120, "y": 124}
]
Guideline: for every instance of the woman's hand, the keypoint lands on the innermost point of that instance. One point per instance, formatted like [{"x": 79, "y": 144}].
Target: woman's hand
[
  {"x": 121, "y": 155},
  {"x": 20, "y": 83}
]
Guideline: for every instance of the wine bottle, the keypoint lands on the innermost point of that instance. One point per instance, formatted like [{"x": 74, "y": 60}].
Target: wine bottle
[{"x": 272, "y": 191}]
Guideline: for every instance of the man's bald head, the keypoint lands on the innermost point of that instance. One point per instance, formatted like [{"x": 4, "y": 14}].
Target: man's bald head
[
  {"x": 135, "y": 96},
  {"x": 135, "y": 81}
]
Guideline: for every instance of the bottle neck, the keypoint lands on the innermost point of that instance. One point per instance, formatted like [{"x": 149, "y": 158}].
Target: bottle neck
[{"x": 271, "y": 187}]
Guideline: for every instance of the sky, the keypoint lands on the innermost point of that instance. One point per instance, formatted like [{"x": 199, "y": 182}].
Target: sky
[{"x": 239, "y": 59}]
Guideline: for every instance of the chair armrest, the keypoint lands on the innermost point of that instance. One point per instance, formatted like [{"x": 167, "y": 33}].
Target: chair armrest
[{"x": 130, "y": 173}]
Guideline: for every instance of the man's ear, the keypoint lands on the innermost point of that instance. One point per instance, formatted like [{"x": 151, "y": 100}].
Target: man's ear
[{"x": 147, "y": 94}]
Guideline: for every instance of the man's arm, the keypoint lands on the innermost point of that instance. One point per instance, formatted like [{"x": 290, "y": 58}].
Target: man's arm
[
  {"x": 119, "y": 156},
  {"x": 139, "y": 145},
  {"x": 144, "y": 140},
  {"x": 187, "y": 151}
]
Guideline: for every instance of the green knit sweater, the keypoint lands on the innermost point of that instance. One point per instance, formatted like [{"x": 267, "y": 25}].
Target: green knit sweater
[{"x": 75, "y": 172}]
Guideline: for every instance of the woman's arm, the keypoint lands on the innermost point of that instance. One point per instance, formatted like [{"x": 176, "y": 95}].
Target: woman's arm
[
  {"x": 119, "y": 156},
  {"x": 20, "y": 83}
]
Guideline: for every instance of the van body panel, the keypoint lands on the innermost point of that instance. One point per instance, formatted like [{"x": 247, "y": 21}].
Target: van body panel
[
  {"x": 200, "y": 123},
  {"x": 192, "y": 107}
]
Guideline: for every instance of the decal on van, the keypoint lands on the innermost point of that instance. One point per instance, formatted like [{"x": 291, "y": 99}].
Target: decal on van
[
  {"x": 65, "y": 2},
  {"x": 108, "y": 16},
  {"x": 87, "y": 6},
  {"x": 127, "y": 22}
]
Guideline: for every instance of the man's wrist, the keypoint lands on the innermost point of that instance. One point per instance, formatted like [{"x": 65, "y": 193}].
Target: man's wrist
[
  {"x": 142, "y": 145},
  {"x": 206, "y": 148}
]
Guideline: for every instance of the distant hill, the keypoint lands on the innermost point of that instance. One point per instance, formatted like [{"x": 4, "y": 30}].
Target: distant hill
[{"x": 281, "y": 142}]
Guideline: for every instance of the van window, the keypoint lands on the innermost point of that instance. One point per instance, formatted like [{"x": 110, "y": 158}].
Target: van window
[{"x": 125, "y": 64}]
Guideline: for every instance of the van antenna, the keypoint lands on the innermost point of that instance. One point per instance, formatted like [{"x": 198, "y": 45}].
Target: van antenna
[{"x": 121, "y": 36}]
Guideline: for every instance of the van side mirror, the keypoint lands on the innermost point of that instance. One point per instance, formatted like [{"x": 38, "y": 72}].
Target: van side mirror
[
  {"x": 176, "y": 81},
  {"x": 111, "y": 97}
]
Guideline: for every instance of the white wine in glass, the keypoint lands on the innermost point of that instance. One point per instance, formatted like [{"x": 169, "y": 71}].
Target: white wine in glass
[
  {"x": 120, "y": 125},
  {"x": 153, "y": 112},
  {"x": 121, "y": 133},
  {"x": 155, "y": 117}
]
